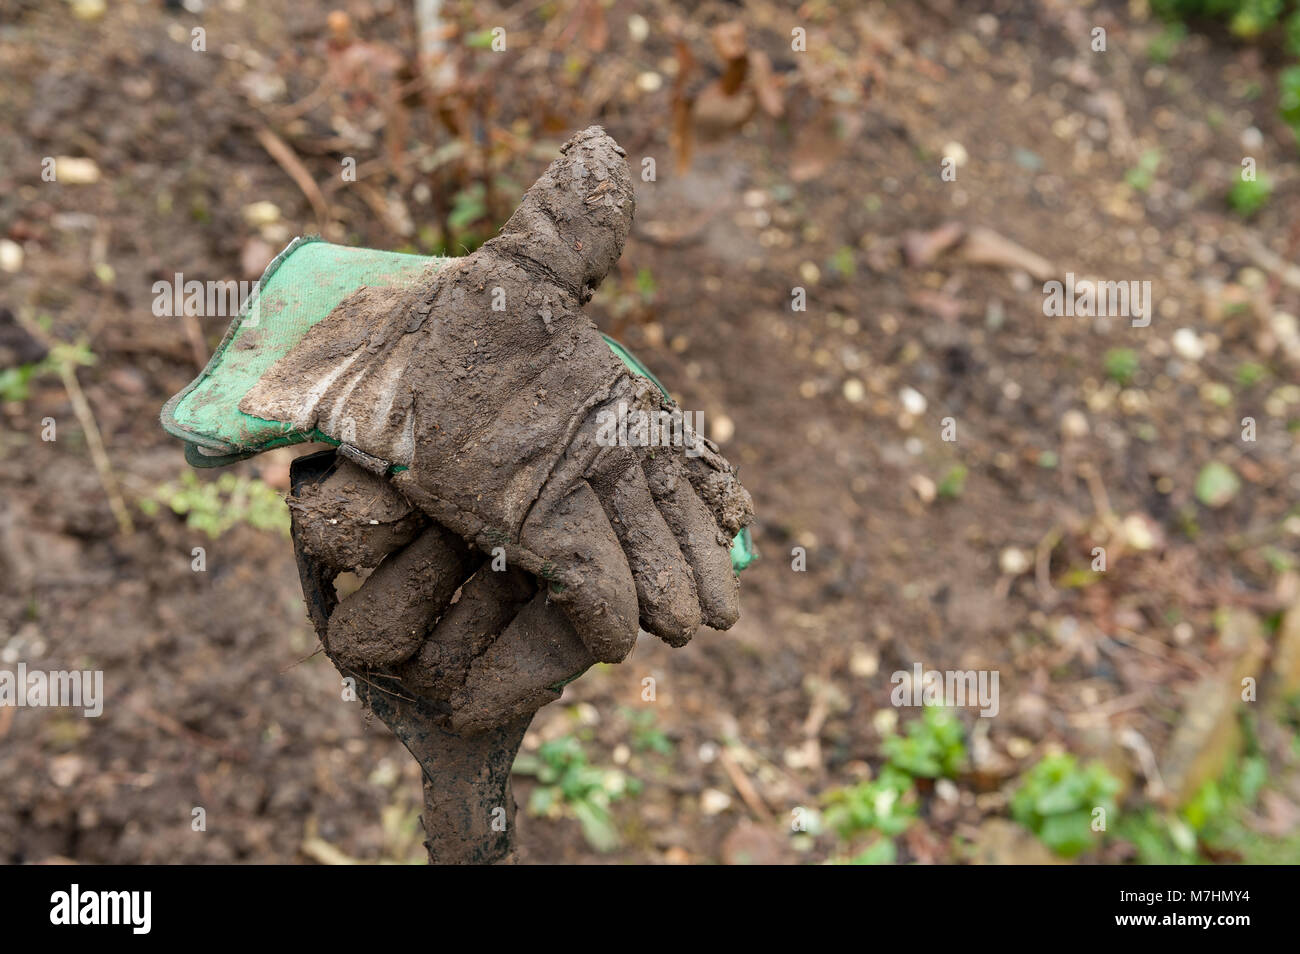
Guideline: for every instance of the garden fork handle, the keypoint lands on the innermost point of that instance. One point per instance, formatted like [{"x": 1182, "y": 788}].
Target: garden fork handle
[{"x": 469, "y": 809}]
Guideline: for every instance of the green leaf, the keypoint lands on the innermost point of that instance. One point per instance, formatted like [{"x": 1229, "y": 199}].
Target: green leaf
[
  {"x": 1067, "y": 835},
  {"x": 953, "y": 483},
  {"x": 1216, "y": 484},
  {"x": 1120, "y": 364},
  {"x": 1057, "y": 798},
  {"x": 883, "y": 852},
  {"x": 597, "y": 827},
  {"x": 541, "y": 801},
  {"x": 1288, "y": 82}
]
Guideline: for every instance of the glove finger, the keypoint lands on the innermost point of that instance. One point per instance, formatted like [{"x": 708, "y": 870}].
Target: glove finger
[
  {"x": 714, "y": 480},
  {"x": 707, "y": 548},
  {"x": 586, "y": 568},
  {"x": 576, "y": 218},
  {"x": 665, "y": 589},
  {"x": 352, "y": 518},
  {"x": 385, "y": 621},
  {"x": 524, "y": 669},
  {"x": 488, "y": 602}
]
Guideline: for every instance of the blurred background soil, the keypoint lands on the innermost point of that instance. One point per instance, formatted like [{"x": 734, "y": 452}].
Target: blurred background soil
[{"x": 773, "y": 169}]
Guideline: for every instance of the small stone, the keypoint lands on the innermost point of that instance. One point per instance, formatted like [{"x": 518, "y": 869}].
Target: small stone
[
  {"x": 923, "y": 487},
  {"x": 723, "y": 429},
  {"x": 1074, "y": 424},
  {"x": 913, "y": 401},
  {"x": 1019, "y": 747},
  {"x": 649, "y": 82},
  {"x": 1012, "y": 561},
  {"x": 66, "y": 769},
  {"x": 1139, "y": 532},
  {"x": 1252, "y": 278},
  {"x": 258, "y": 214},
  {"x": 956, "y": 152},
  {"x": 11, "y": 256},
  {"x": 714, "y": 802},
  {"x": 88, "y": 9},
  {"x": 854, "y": 390},
  {"x": 1188, "y": 345},
  {"x": 1286, "y": 328},
  {"x": 798, "y": 758},
  {"x": 638, "y": 28},
  {"x": 277, "y": 233},
  {"x": 75, "y": 171},
  {"x": 864, "y": 662}
]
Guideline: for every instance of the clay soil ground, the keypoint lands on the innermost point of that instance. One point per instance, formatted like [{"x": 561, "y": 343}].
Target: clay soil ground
[{"x": 970, "y": 554}]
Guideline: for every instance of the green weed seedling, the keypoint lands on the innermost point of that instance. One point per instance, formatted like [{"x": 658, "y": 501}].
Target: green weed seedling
[
  {"x": 953, "y": 484},
  {"x": 934, "y": 746},
  {"x": 1058, "y": 799},
  {"x": 570, "y": 787},
  {"x": 1143, "y": 176},
  {"x": 215, "y": 506},
  {"x": 1121, "y": 364},
  {"x": 14, "y": 381},
  {"x": 884, "y": 804},
  {"x": 1165, "y": 45},
  {"x": 644, "y": 731},
  {"x": 1248, "y": 196}
]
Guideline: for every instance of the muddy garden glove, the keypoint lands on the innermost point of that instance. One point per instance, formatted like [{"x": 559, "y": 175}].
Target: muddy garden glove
[{"x": 490, "y": 395}]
